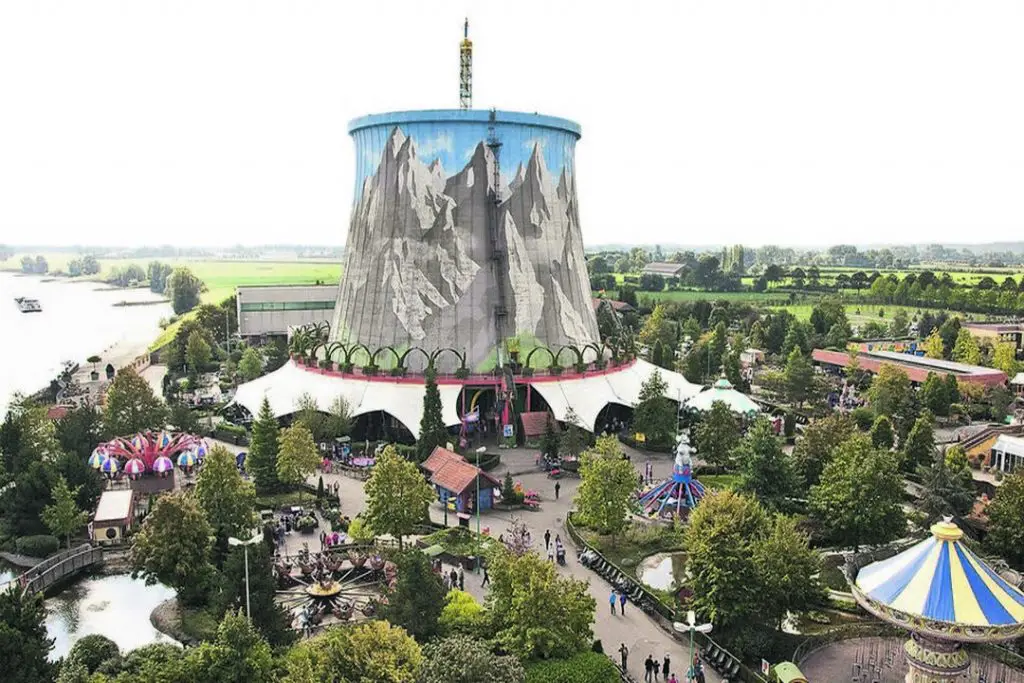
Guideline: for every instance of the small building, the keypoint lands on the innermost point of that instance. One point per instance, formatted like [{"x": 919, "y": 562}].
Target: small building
[
  {"x": 999, "y": 332},
  {"x": 619, "y": 307},
  {"x": 115, "y": 516},
  {"x": 663, "y": 268},
  {"x": 273, "y": 310},
  {"x": 751, "y": 357},
  {"x": 1017, "y": 383},
  {"x": 916, "y": 367},
  {"x": 1007, "y": 453},
  {"x": 456, "y": 480}
]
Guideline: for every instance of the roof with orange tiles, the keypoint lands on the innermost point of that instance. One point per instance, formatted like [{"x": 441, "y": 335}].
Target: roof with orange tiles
[
  {"x": 438, "y": 458},
  {"x": 458, "y": 475}
]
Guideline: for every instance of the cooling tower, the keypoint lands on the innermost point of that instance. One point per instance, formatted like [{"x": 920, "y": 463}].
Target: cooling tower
[{"x": 464, "y": 233}]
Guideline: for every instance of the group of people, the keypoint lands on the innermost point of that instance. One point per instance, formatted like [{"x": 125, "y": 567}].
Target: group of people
[
  {"x": 456, "y": 578},
  {"x": 558, "y": 552},
  {"x": 652, "y": 668}
]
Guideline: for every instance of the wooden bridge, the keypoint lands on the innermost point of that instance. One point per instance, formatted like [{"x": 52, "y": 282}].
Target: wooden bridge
[{"x": 55, "y": 568}]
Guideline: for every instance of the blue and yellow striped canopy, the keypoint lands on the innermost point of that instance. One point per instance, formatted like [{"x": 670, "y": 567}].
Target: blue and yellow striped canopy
[{"x": 940, "y": 579}]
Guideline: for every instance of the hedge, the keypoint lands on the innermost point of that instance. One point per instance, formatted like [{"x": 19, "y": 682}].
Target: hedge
[
  {"x": 232, "y": 433},
  {"x": 585, "y": 667},
  {"x": 37, "y": 546}
]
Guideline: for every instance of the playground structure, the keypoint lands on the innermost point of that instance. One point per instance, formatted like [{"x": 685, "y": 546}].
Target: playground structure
[
  {"x": 149, "y": 452},
  {"x": 945, "y": 596},
  {"x": 676, "y": 495},
  {"x": 332, "y": 587}
]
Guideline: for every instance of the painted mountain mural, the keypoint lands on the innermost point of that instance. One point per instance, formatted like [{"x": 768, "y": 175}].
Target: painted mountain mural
[{"x": 418, "y": 269}]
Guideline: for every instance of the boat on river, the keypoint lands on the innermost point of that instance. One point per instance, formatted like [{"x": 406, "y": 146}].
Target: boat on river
[{"x": 26, "y": 305}]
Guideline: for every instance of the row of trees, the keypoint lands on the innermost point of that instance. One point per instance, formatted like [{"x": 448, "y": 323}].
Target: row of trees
[
  {"x": 35, "y": 266},
  {"x": 84, "y": 265}
]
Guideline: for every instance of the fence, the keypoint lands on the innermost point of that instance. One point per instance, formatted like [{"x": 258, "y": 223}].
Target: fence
[{"x": 53, "y": 569}]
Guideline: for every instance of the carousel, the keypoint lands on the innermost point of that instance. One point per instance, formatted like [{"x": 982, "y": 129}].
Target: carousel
[
  {"x": 945, "y": 596},
  {"x": 677, "y": 495},
  {"x": 149, "y": 452},
  {"x": 331, "y": 588}
]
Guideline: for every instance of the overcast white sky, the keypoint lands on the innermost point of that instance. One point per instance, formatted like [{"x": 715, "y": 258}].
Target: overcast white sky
[{"x": 219, "y": 122}]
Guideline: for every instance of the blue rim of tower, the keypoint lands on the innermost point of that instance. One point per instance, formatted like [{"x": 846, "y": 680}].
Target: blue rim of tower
[{"x": 464, "y": 115}]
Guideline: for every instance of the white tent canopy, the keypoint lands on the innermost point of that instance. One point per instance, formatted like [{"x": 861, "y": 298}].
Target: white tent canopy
[
  {"x": 723, "y": 391},
  {"x": 404, "y": 400}
]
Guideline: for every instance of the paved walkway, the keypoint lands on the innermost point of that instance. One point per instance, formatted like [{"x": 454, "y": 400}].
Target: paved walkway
[{"x": 638, "y": 631}]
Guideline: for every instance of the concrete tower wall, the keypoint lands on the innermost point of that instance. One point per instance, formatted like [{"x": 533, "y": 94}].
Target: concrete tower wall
[{"x": 419, "y": 268}]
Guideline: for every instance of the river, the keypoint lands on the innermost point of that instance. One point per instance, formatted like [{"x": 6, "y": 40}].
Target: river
[{"x": 79, "y": 319}]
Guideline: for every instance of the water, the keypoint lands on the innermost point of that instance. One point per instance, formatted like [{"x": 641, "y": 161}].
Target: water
[
  {"x": 664, "y": 571},
  {"x": 77, "y": 321},
  {"x": 117, "y": 607}
]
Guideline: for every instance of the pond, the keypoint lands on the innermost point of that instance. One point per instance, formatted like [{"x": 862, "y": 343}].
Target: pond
[
  {"x": 117, "y": 607},
  {"x": 664, "y": 571}
]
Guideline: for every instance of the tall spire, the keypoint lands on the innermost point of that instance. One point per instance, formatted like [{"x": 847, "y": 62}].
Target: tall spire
[{"x": 466, "y": 69}]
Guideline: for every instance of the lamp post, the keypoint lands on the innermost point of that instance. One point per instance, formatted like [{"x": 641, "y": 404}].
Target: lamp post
[
  {"x": 232, "y": 541},
  {"x": 482, "y": 449},
  {"x": 691, "y": 625}
]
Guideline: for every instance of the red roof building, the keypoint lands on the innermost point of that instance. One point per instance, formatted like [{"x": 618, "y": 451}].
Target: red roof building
[
  {"x": 916, "y": 367},
  {"x": 536, "y": 423},
  {"x": 455, "y": 479},
  {"x": 438, "y": 458}
]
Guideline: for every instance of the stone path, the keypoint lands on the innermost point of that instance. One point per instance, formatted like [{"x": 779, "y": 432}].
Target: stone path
[{"x": 638, "y": 631}]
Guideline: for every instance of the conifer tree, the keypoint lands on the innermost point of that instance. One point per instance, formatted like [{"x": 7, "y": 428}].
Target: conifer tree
[
  {"x": 261, "y": 462},
  {"x": 433, "y": 433}
]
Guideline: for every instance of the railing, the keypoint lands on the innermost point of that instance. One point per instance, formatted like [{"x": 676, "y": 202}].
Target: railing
[{"x": 53, "y": 569}]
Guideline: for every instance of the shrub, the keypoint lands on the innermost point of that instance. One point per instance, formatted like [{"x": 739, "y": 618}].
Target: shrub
[
  {"x": 585, "y": 667},
  {"x": 462, "y": 614},
  {"x": 359, "y": 531},
  {"x": 864, "y": 417},
  {"x": 41, "y": 546},
  {"x": 92, "y": 650},
  {"x": 306, "y": 524}
]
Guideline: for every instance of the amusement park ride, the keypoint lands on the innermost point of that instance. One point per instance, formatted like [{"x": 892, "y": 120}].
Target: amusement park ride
[
  {"x": 677, "y": 495},
  {"x": 149, "y": 452}
]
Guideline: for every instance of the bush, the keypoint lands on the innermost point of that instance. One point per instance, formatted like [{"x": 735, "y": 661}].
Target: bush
[
  {"x": 462, "y": 614},
  {"x": 359, "y": 531},
  {"x": 306, "y": 524},
  {"x": 586, "y": 667},
  {"x": 92, "y": 650},
  {"x": 41, "y": 546},
  {"x": 864, "y": 417}
]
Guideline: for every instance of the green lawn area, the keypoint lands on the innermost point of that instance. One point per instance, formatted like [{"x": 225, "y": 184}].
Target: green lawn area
[{"x": 720, "y": 481}]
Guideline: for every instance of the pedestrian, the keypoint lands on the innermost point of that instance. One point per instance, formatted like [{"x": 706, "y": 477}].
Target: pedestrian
[
  {"x": 551, "y": 555},
  {"x": 640, "y": 481},
  {"x": 611, "y": 601},
  {"x": 648, "y": 668},
  {"x": 622, "y": 603},
  {"x": 623, "y": 653},
  {"x": 487, "y": 578},
  {"x": 698, "y": 670},
  {"x": 547, "y": 538},
  {"x": 323, "y": 539},
  {"x": 453, "y": 578},
  {"x": 558, "y": 487},
  {"x": 462, "y": 587},
  {"x": 664, "y": 667},
  {"x": 673, "y": 679}
]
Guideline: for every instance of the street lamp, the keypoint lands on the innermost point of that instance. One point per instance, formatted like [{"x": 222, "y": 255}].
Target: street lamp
[
  {"x": 232, "y": 541},
  {"x": 479, "y": 451},
  {"x": 691, "y": 625}
]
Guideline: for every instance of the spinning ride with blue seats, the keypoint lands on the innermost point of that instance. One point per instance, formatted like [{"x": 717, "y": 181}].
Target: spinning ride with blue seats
[{"x": 678, "y": 494}]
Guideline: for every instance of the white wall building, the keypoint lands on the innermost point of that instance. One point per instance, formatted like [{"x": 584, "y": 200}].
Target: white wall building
[{"x": 272, "y": 310}]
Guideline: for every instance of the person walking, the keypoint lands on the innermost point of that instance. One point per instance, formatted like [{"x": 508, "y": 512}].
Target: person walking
[
  {"x": 611, "y": 601},
  {"x": 648, "y": 668},
  {"x": 547, "y": 538},
  {"x": 623, "y": 653},
  {"x": 673, "y": 679},
  {"x": 622, "y": 602},
  {"x": 558, "y": 487},
  {"x": 664, "y": 667},
  {"x": 453, "y": 578},
  {"x": 462, "y": 587},
  {"x": 487, "y": 577}
]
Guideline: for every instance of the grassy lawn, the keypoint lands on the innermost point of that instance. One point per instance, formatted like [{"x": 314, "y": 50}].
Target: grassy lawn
[
  {"x": 720, "y": 481},
  {"x": 275, "y": 501},
  {"x": 460, "y": 542}
]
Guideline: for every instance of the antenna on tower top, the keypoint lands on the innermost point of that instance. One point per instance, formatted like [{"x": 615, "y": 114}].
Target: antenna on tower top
[{"x": 466, "y": 69}]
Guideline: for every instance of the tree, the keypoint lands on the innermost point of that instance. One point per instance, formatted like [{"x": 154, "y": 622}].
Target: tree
[
  {"x": 24, "y": 645},
  {"x": 373, "y": 651},
  {"x": 766, "y": 471},
  {"x": 397, "y": 495},
  {"x": 796, "y": 338},
  {"x": 1004, "y": 358},
  {"x": 933, "y": 346},
  {"x": 462, "y": 615},
  {"x": 952, "y": 389},
  {"x": 261, "y": 462},
  {"x": 1005, "y": 531},
  {"x": 574, "y": 439},
  {"x": 226, "y": 498},
  {"x": 658, "y": 354},
  {"x": 308, "y": 413},
  {"x": 417, "y": 598},
  {"x": 719, "y": 541},
  {"x": 251, "y": 365},
  {"x": 607, "y": 485},
  {"x": 935, "y": 394},
  {"x": 819, "y": 442},
  {"x": 182, "y": 418},
  {"x": 882, "y": 436},
  {"x": 536, "y": 612},
  {"x": 658, "y": 327},
  {"x": 433, "y": 432},
  {"x": 462, "y": 659},
  {"x": 858, "y": 499},
  {"x": 80, "y": 430},
  {"x": 799, "y": 377},
  {"x": 238, "y": 654},
  {"x": 788, "y": 571},
  {"x": 890, "y": 390},
  {"x": 948, "y": 485},
  {"x": 131, "y": 405},
  {"x": 717, "y": 435},
  {"x": 966, "y": 349},
  {"x": 185, "y": 289},
  {"x": 173, "y": 547},
  {"x": 654, "y": 415},
  {"x": 197, "y": 353},
  {"x": 297, "y": 456},
  {"x": 92, "y": 650},
  {"x": 919, "y": 448},
  {"x": 339, "y": 418},
  {"x": 900, "y": 325},
  {"x": 551, "y": 441},
  {"x": 272, "y": 621},
  {"x": 33, "y": 491},
  {"x": 63, "y": 517}
]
